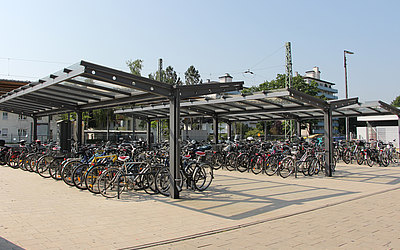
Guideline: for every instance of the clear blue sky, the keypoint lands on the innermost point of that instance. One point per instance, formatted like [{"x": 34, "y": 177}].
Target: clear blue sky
[{"x": 216, "y": 37}]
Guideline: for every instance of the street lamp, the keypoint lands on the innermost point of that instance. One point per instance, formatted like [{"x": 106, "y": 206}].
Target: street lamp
[{"x": 347, "y": 90}]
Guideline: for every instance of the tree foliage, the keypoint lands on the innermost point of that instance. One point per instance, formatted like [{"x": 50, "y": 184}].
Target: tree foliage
[
  {"x": 278, "y": 83},
  {"x": 192, "y": 76},
  {"x": 168, "y": 75},
  {"x": 135, "y": 66},
  {"x": 396, "y": 102}
]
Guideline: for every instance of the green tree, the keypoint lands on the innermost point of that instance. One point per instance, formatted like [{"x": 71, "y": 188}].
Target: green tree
[
  {"x": 192, "y": 76},
  {"x": 278, "y": 83},
  {"x": 135, "y": 66},
  {"x": 396, "y": 102}
]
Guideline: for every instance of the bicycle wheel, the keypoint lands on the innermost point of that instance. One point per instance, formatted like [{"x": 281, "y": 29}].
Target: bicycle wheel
[
  {"x": 92, "y": 176},
  {"x": 242, "y": 163},
  {"x": 78, "y": 176},
  {"x": 257, "y": 164},
  {"x": 287, "y": 167},
  {"x": 231, "y": 161},
  {"x": 347, "y": 156},
  {"x": 360, "y": 157},
  {"x": 370, "y": 162},
  {"x": 55, "y": 168},
  {"x": 217, "y": 160},
  {"x": 384, "y": 159},
  {"x": 163, "y": 181},
  {"x": 43, "y": 165},
  {"x": 67, "y": 171},
  {"x": 203, "y": 176},
  {"x": 110, "y": 181},
  {"x": 271, "y": 165}
]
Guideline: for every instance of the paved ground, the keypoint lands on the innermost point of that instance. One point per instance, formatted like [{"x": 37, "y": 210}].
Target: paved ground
[{"x": 358, "y": 208}]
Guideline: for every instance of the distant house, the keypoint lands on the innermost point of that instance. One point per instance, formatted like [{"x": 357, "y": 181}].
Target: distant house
[
  {"x": 325, "y": 89},
  {"x": 14, "y": 127},
  {"x": 383, "y": 127}
]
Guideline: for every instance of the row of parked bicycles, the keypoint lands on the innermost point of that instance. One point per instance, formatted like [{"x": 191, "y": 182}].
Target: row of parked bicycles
[
  {"x": 109, "y": 169},
  {"x": 370, "y": 153}
]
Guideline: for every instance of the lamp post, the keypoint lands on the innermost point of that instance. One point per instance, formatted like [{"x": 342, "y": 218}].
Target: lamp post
[{"x": 347, "y": 90}]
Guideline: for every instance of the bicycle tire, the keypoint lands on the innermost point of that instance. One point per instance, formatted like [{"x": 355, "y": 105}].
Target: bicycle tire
[
  {"x": 287, "y": 167},
  {"x": 257, "y": 164},
  {"x": 109, "y": 181},
  {"x": 271, "y": 165},
  {"x": 43, "y": 164},
  {"x": 242, "y": 163},
  {"x": 78, "y": 176},
  {"x": 67, "y": 171},
  {"x": 203, "y": 176}
]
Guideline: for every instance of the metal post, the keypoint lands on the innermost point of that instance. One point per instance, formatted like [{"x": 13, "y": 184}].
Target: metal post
[
  {"x": 265, "y": 130},
  {"x": 398, "y": 127},
  {"x": 347, "y": 91},
  {"x": 108, "y": 127},
  {"x": 298, "y": 128},
  {"x": 187, "y": 128},
  {"x": 328, "y": 142},
  {"x": 175, "y": 150},
  {"x": 48, "y": 128},
  {"x": 148, "y": 133},
  {"x": 34, "y": 128},
  {"x": 229, "y": 128},
  {"x": 79, "y": 130},
  {"x": 215, "y": 129},
  {"x": 133, "y": 127}
]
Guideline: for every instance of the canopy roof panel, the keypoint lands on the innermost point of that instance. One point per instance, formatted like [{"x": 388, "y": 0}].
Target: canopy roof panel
[
  {"x": 279, "y": 104},
  {"x": 85, "y": 86}
]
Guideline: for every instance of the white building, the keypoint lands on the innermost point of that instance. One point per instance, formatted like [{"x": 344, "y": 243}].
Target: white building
[
  {"x": 384, "y": 128},
  {"x": 14, "y": 127},
  {"x": 325, "y": 87}
]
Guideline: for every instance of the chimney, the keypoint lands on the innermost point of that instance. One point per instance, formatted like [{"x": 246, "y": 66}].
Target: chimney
[
  {"x": 317, "y": 73},
  {"x": 225, "y": 78}
]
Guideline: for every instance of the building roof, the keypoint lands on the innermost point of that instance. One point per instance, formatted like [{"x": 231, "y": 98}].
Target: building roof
[
  {"x": 317, "y": 80},
  {"x": 7, "y": 85}
]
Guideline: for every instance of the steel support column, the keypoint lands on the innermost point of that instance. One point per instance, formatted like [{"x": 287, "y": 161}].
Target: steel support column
[
  {"x": 34, "y": 132},
  {"x": 328, "y": 142},
  {"x": 108, "y": 127},
  {"x": 229, "y": 128},
  {"x": 174, "y": 137},
  {"x": 148, "y": 133},
  {"x": 187, "y": 128},
  {"x": 79, "y": 124},
  {"x": 133, "y": 128},
  {"x": 347, "y": 128},
  {"x": 398, "y": 127},
  {"x": 215, "y": 129},
  {"x": 265, "y": 130},
  {"x": 298, "y": 128},
  {"x": 48, "y": 127}
]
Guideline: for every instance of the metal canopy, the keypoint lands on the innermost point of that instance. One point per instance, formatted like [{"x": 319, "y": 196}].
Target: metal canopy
[
  {"x": 268, "y": 105},
  {"x": 86, "y": 86}
]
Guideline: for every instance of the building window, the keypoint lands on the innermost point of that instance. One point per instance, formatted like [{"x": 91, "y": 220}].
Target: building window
[
  {"x": 4, "y": 131},
  {"x": 5, "y": 116},
  {"x": 22, "y": 132},
  {"x": 22, "y": 117}
]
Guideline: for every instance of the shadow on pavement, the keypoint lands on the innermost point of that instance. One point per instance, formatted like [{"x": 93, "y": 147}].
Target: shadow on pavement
[{"x": 8, "y": 245}]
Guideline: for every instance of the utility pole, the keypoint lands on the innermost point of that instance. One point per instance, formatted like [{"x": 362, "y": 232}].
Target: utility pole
[
  {"x": 160, "y": 69},
  {"x": 288, "y": 82},
  {"x": 347, "y": 92}
]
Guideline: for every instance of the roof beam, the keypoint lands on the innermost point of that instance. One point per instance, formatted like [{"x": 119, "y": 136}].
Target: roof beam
[
  {"x": 390, "y": 108},
  {"x": 94, "y": 86},
  {"x": 125, "y": 79},
  {"x": 208, "y": 88}
]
